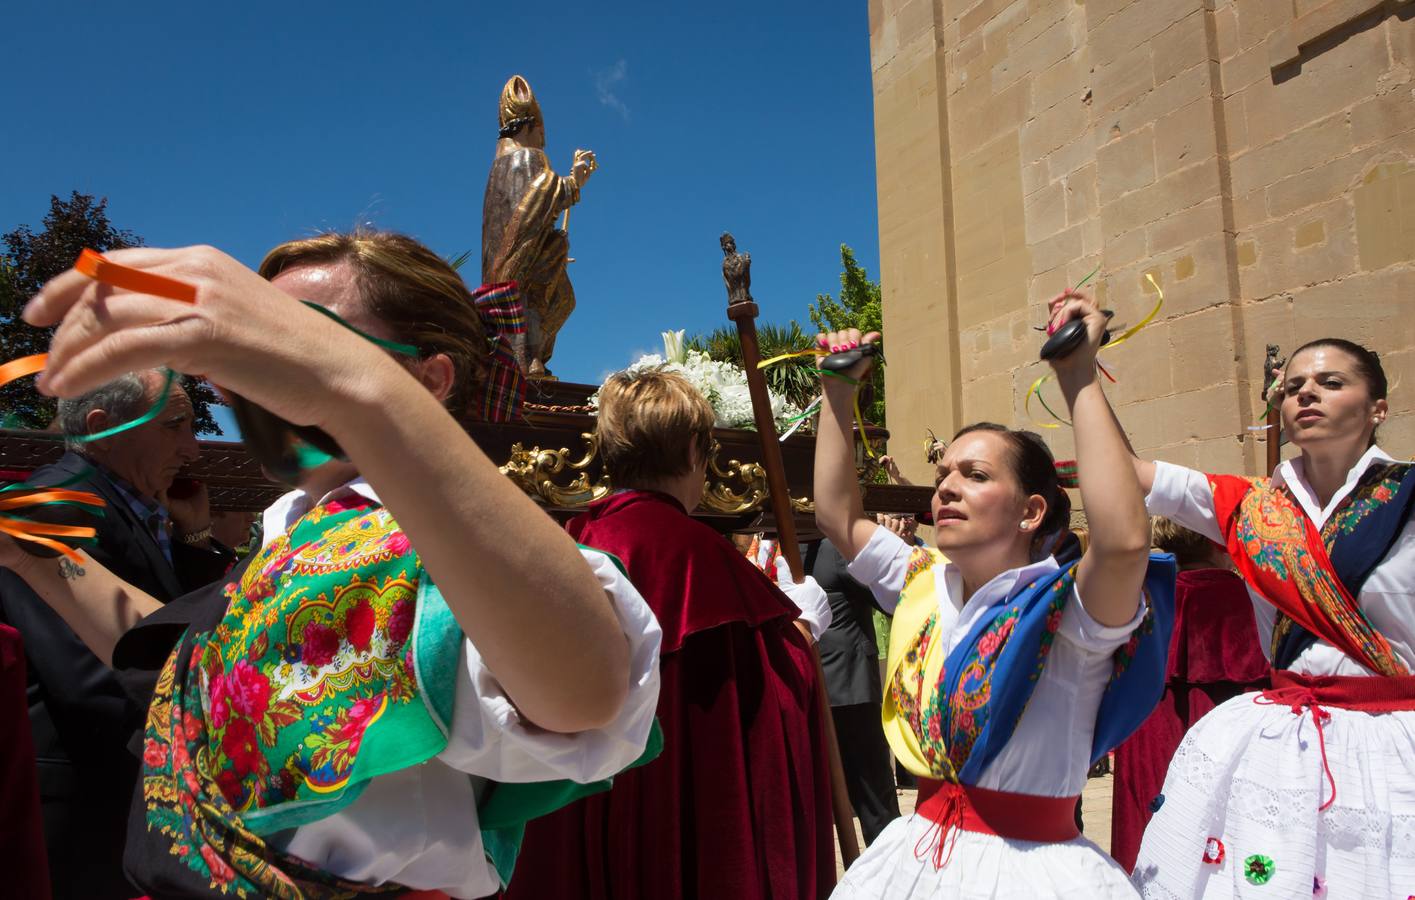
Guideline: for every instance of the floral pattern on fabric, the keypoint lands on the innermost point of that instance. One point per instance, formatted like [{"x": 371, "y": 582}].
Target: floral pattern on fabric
[
  {"x": 277, "y": 699},
  {"x": 1274, "y": 545},
  {"x": 920, "y": 561},
  {"x": 1377, "y": 486}
]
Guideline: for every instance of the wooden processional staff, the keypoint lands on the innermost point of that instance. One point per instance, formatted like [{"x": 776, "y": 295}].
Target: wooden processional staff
[{"x": 742, "y": 310}]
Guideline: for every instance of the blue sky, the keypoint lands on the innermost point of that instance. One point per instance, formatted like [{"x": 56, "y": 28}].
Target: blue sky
[{"x": 242, "y": 125}]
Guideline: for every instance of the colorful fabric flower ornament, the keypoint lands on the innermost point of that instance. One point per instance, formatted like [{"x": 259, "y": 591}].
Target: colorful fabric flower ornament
[
  {"x": 1319, "y": 886},
  {"x": 1156, "y": 803},
  {"x": 1258, "y": 869},
  {"x": 1213, "y": 851}
]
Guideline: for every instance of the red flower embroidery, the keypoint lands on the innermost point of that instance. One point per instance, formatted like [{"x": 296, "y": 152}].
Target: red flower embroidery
[
  {"x": 154, "y": 754},
  {"x": 321, "y": 643},
  {"x": 397, "y": 543},
  {"x": 989, "y": 643},
  {"x": 1213, "y": 851},
  {"x": 230, "y": 784},
  {"x": 1054, "y": 621},
  {"x": 356, "y": 721},
  {"x": 249, "y": 689},
  {"x": 220, "y": 693},
  {"x": 221, "y": 873},
  {"x": 358, "y": 624},
  {"x": 239, "y": 745},
  {"x": 400, "y": 623}
]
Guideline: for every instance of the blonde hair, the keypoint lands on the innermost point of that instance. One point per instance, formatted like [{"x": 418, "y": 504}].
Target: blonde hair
[
  {"x": 648, "y": 425},
  {"x": 1189, "y": 547},
  {"x": 410, "y": 289}
]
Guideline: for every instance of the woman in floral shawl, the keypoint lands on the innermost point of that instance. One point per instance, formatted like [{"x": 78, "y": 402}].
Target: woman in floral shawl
[
  {"x": 368, "y": 704},
  {"x": 1308, "y": 787},
  {"x": 1013, "y": 664}
]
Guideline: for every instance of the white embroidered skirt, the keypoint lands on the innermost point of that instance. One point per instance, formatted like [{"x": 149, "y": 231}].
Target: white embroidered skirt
[
  {"x": 982, "y": 866},
  {"x": 1251, "y": 776}
]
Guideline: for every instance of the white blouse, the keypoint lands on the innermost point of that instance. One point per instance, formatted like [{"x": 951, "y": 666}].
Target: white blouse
[
  {"x": 418, "y": 827},
  {"x": 1050, "y": 752},
  {"x": 1184, "y": 495}
]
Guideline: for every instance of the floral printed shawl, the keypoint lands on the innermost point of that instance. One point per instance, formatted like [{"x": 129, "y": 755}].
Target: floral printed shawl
[
  {"x": 947, "y": 716},
  {"x": 332, "y": 660},
  {"x": 1313, "y": 575}
]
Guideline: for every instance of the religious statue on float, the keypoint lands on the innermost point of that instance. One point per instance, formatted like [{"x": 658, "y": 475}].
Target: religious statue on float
[{"x": 521, "y": 241}]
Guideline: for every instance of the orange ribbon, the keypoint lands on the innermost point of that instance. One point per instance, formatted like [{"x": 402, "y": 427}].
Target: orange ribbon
[{"x": 95, "y": 266}]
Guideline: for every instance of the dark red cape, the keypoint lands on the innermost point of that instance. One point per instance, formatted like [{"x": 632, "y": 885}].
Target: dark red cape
[
  {"x": 738, "y": 805},
  {"x": 22, "y": 855},
  {"x": 1214, "y": 656}
]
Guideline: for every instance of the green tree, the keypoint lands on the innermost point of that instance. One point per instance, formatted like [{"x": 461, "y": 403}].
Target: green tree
[
  {"x": 27, "y": 260},
  {"x": 859, "y": 306}
]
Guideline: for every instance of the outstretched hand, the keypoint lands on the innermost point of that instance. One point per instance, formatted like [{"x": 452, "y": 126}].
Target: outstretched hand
[
  {"x": 849, "y": 339},
  {"x": 241, "y": 332},
  {"x": 1068, "y": 306}
]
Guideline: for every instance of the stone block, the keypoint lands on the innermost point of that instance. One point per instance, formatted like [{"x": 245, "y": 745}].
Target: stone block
[
  {"x": 1249, "y": 210},
  {"x": 1202, "y": 349},
  {"x": 1054, "y": 128},
  {"x": 1246, "y": 68},
  {"x": 1134, "y": 25},
  {"x": 1064, "y": 83},
  {"x": 1235, "y": 124},
  {"x": 1082, "y": 195},
  {"x": 1226, "y": 30},
  {"x": 1383, "y": 117},
  {"x": 1385, "y": 215},
  {"x": 1304, "y": 149},
  {"x": 1185, "y": 136},
  {"x": 1181, "y": 46},
  {"x": 995, "y": 116},
  {"x": 1186, "y": 227},
  {"x": 1173, "y": 193},
  {"x": 989, "y": 398},
  {"x": 1126, "y": 164},
  {"x": 1124, "y": 249},
  {"x": 1283, "y": 268},
  {"x": 1121, "y": 81},
  {"x": 1057, "y": 250},
  {"x": 1046, "y": 212},
  {"x": 1140, "y": 365},
  {"x": 1258, "y": 18},
  {"x": 1373, "y": 309},
  {"x": 1328, "y": 83},
  {"x": 1072, "y": 156},
  {"x": 1191, "y": 85}
]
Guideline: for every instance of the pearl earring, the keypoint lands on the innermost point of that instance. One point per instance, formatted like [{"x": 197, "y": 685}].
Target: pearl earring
[{"x": 1026, "y": 526}]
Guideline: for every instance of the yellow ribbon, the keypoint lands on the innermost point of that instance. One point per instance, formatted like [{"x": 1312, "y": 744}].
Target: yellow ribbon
[
  {"x": 817, "y": 351},
  {"x": 1125, "y": 335}
]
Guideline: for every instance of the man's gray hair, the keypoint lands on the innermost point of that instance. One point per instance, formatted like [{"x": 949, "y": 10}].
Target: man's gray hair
[{"x": 124, "y": 399}]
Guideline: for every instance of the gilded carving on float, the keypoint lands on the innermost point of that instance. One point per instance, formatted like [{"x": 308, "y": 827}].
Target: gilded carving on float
[
  {"x": 535, "y": 471},
  {"x": 538, "y": 473}
]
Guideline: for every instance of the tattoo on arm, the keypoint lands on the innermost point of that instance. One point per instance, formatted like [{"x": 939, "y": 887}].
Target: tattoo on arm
[{"x": 69, "y": 571}]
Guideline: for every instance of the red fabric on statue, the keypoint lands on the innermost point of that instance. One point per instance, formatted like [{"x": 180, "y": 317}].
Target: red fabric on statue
[
  {"x": 1214, "y": 656},
  {"x": 22, "y": 856},
  {"x": 738, "y": 804}
]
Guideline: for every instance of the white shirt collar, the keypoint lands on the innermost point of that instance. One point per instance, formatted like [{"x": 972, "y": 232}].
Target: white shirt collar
[
  {"x": 999, "y": 588},
  {"x": 284, "y": 512},
  {"x": 1290, "y": 473}
]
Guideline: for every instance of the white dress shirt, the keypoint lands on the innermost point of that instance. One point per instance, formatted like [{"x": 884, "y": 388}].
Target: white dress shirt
[
  {"x": 1050, "y": 752},
  {"x": 1184, "y": 495},
  {"x": 418, "y": 827}
]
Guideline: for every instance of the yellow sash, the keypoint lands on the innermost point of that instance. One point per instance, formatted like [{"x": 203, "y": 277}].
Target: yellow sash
[{"x": 912, "y": 670}]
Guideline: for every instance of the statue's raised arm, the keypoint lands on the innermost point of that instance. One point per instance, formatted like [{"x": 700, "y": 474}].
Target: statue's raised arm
[{"x": 520, "y": 239}]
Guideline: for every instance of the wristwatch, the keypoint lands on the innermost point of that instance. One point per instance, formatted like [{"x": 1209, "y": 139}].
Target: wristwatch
[{"x": 196, "y": 537}]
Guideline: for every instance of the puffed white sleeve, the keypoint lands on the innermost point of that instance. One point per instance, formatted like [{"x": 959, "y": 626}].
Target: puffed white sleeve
[
  {"x": 882, "y": 565},
  {"x": 1185, "y": 496},
  {"x": 489, "y": 738}
]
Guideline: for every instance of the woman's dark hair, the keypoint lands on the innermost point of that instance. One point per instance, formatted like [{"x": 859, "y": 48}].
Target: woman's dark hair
[
  {"x": 1368, "y": 364},
  {"x": 1035, "y": 469}
]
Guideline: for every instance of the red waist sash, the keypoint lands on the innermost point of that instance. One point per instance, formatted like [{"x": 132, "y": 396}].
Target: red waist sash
[
  {"x": 1361, "y": 693},
  {"x": 965, "y": 807}
]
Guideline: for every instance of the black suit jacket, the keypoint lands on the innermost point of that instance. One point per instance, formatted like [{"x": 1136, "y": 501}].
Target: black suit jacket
[
  {"x": 81, "y": 718},
  {"x": 849, "y": 656}
]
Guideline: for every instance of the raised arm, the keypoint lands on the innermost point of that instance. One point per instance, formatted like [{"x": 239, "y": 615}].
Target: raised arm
[
  {"x": 514, "y": 580},
  {"x": 1113, "y": 568},
  {"x": 97, "y": 604},
  {"x": 840, "y": 509}
]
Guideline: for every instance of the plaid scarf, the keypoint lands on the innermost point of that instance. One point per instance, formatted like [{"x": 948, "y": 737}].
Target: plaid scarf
[{"x": 502, "y": 314}]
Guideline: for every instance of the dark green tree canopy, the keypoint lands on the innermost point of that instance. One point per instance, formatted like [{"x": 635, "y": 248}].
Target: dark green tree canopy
[
  {"x": 27, "y": 260},
  {"x": 859, "y": 306}
]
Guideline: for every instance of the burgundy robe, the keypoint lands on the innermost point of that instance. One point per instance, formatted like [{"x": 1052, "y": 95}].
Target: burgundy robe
[
  {"x": 738, "y": 805},
  {"x": 24, "y": 868},
  {"x": 1214, "y": 656}
]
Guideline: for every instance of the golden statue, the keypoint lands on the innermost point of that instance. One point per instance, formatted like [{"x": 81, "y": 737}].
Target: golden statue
[{"x": 520, "y": 240}]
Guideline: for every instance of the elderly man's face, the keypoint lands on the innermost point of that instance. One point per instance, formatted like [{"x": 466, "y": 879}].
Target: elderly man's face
[{"x": 151, "y": 455}]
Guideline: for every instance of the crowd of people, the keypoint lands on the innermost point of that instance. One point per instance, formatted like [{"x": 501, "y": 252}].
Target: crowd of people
[{"x": 415, "y": 683}]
